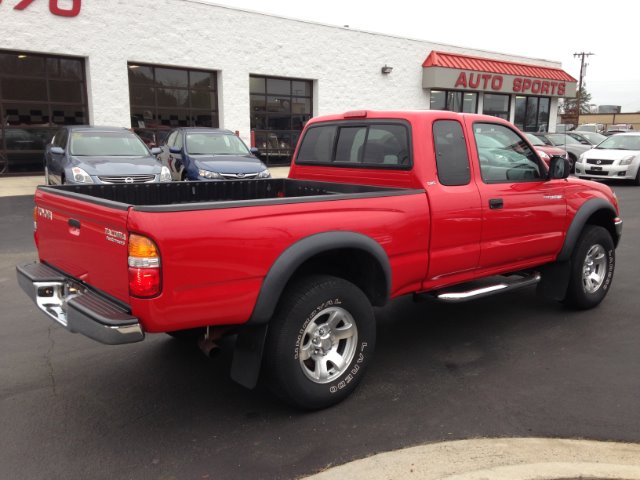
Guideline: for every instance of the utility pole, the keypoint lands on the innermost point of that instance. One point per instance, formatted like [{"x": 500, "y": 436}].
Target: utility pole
[{"x": 581, "y": 55}]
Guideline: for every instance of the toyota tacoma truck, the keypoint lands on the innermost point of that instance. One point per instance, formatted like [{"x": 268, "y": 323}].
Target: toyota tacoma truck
[{"x": 377, "y": 205}]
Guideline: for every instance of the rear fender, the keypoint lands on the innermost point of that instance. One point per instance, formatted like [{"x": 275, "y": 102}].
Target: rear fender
[{"x": 247, "y": 356}]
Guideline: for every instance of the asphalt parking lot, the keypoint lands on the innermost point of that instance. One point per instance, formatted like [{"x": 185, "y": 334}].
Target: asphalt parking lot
[{"x": 508, "y": 366}]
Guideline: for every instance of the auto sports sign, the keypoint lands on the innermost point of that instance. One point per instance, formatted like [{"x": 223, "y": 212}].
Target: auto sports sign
[
  {"x": 458, "y": 79},
  {"x": 61, "y": 8}
]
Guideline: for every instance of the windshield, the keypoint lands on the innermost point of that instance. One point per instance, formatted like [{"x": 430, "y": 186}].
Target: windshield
[
  {"x": 586, "y": 128},
  {"x": 621, "y": 142},
  {"x": 118, "y": 144},
  {"x": 561, "y": 139},
  {"x": 215, "y": 144},
  {"x": 535, "y": 140},
  {"x": 594, "y": 138}
]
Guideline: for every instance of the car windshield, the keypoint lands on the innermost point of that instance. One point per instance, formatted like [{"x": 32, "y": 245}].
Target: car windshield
[
  {"x": 594, "y": 138},
  {"x": 621, "y": 142},
  {"x": 118, "y": 144},
  {"x": 535, "y": 140},
  {"x": 562, "y": 139},
  {"x": 485, "y": 141},
  {"x": 586, "y": 128},
  {"x": 215, "y": 144}
]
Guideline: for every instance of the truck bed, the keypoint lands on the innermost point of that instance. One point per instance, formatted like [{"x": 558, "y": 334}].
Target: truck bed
[{"x": 176, "y": 196}]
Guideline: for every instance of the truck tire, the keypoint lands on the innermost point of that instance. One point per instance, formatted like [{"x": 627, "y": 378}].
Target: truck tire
[
  {"x": 320, "y": 342},
  {"x": 592, "y": 264}
]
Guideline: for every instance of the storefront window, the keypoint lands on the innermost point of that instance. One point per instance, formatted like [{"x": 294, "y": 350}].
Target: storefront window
[
  {"x": 532, "y": 113},
  {"x": 496, "y": 105},
  {"x": 454, "y": 101},
  {"x": 38, "y": 93},
  {"x": 164, "y": 98},
  {"x": 279, "y": 109}
]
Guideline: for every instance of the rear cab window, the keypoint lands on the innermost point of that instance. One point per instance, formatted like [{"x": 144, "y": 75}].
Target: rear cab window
[
  {"x": 365, "y": 144},
  {"x": 452, "y": 160}
]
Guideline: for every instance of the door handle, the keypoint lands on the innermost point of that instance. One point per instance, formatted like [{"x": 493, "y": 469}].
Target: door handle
[
  {"x": 74, "y": 226},
  {"x": 495, "y": 203}
]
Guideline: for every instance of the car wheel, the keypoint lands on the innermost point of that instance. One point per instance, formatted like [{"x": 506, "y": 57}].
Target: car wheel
[
  {"x": 637, "y": 179},
  {"x": 572, "y": 163},
  {"x": 320, "y": 342},
  {"x": 592, "y": 265}
]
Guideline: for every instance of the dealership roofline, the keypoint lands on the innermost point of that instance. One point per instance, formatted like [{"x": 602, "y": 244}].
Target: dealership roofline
[{"x": 367, "y": 32}]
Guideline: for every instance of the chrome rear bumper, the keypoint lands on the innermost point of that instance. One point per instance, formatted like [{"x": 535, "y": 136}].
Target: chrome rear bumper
[{"x": 77, "y": 308}]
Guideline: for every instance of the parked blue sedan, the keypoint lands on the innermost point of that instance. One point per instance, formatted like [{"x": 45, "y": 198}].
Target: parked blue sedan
[
  {"x": 85, "y": 154},
  {"x": 193, "y": 153}
]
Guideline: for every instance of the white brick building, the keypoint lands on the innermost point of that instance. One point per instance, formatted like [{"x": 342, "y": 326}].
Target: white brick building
[{"x": 122, "y": 46}]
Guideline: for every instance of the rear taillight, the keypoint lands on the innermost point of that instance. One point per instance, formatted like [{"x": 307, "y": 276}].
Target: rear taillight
[{"x": 144, "y": 267}]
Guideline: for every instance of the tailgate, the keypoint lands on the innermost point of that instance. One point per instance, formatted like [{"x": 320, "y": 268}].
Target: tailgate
[{"x": 85, "y": 240}]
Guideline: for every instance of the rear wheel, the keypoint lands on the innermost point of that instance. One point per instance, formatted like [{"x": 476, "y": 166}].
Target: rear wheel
[
  {"x": 320, "y": 342},
  {"x": 592, "y": 265}
]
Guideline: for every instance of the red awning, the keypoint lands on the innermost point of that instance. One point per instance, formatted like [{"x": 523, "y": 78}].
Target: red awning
[{"x": 479, "y": 64}]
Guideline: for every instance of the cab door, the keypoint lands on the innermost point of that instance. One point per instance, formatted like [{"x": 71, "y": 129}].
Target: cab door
[
  {"x": 455, "y": 207},
  {"x": 523, "y": 213}
]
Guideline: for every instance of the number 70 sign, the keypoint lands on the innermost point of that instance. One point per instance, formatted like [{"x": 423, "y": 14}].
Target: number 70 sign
[{"x": 54, "y": 7}]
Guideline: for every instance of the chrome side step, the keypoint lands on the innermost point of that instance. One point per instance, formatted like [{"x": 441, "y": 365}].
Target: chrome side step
[{"x": 484, "y": 288}]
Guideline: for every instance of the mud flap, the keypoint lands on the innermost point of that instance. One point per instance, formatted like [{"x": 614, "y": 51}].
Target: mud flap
[
  {"x": 555, "y": 280},
  {"x": 247, "y": 356}
]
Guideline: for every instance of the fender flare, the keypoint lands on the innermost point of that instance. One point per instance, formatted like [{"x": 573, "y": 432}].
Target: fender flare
[
  {"x": 583, "y": 214},
  {"x": 290, "y": 260}
]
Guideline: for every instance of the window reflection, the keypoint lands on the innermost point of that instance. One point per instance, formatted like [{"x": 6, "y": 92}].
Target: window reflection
[
  {"x": 454, "y": 101},
  {"x": 163, "y": 98},
  {"x": 496, "y": 105},
  {"x": 532, "y": 113},
  {"x": 280, "y": 107},
  {"x": 37, "y": 93}
]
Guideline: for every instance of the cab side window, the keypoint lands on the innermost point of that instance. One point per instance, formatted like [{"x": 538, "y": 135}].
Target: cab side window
[
  {"x": 504, "y": 156},
  {"x": 452, "y": 160}
]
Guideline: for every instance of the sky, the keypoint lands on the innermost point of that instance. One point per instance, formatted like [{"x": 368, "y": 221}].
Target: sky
[{"x": 547, "y": 29}]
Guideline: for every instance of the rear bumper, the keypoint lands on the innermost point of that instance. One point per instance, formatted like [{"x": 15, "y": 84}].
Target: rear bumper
[{"x": 77, "y": 308}]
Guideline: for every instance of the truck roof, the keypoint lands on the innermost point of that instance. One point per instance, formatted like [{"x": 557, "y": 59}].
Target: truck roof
[{"x": 404, "y": 114}]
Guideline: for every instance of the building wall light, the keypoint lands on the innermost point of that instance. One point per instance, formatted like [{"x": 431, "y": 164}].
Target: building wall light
[{"x": 386, "y": 69}]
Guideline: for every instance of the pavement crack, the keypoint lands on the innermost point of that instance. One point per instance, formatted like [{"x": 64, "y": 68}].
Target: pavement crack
[{"x": 47, "y": 357}]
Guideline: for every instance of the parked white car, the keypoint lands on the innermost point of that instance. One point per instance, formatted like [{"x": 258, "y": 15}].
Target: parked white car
[{"x": 616, "y": 157}]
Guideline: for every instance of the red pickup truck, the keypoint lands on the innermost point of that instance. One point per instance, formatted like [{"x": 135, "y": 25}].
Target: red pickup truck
[{"x": 377, "y": 205}]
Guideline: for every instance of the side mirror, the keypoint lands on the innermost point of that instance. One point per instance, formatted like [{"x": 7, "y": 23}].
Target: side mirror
[
  {"x": 254, "y": 151},
  {"x": 156, "y": 151},
  {"x": 559, "y": 168},
  {"x": 175, "y": 149},
  {"x": 57, "y": 150}
]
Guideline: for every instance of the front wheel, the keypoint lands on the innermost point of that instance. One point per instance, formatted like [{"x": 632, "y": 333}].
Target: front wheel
[
  {"x": 592, "y": 264},
  {"x": 572, "y": 163},
  {"x": 320, "y": 342}
]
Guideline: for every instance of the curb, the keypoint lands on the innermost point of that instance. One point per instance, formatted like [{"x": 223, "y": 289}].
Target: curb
[{"x": 498, "y": 459}]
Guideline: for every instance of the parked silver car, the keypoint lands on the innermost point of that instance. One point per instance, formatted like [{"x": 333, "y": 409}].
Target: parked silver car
[
  {"x": 617, "y": 157},
  {"x": 566, "y": 142}
]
